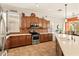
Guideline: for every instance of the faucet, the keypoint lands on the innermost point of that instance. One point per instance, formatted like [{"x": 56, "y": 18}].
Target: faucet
[{"x": 72, "y": 38}]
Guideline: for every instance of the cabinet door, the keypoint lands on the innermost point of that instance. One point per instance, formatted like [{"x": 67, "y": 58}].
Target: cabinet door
[
  {"x": 7, "y": 44},
  {"x": 50, "y": 37},
  {"x": 40, "y": 23},
  {"x": 14, "y": 41},
  {"x": 37, "y": 19},
  {"x": 23, "y": 22},
  {"x": 46, "y": 37},
  {"x": 29, "y": 40},
  {"x": 58, "y": 49},
  {"x": 28, "y": 22},
  {"x": 23, "y": 25},
  {"x": 21, "y": 40},
  {"x": 47, "y": 24},
  {"x": 43, "y": 38}
]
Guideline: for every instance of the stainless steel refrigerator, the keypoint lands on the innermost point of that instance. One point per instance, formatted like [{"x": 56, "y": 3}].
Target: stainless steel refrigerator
[{"x": 2, "y": 34}]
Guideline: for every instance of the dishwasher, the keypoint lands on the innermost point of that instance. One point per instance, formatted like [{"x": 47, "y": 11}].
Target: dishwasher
[{"x": 3, "y": 52}]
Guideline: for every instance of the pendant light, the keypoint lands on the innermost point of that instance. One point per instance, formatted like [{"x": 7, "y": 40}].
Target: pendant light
[
  {"x": 65, "y": 17},
  {"x": 65, "y": 11}
]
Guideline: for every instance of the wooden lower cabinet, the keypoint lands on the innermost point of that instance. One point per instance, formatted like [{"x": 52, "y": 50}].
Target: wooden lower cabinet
[
  {"x": 58, "y": 49},
  {"x": 29, "y": 40},
  {"x": 45, "y": 37},
  {"x": 23, "y": 40},
  {"x": 50, "y": 37},
  {"x": 16, "y": 41},
  {"x": 42, "y": 38}
]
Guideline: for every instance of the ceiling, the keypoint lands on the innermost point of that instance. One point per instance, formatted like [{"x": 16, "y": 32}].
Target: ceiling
[
  {"x": 37, "y": 6},
  {"x": 55, "y": 9}
]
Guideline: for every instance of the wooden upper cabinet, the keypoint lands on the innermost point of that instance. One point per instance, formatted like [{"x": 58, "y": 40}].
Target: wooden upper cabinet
[
  {"x": 28, "y": 20},
  {"x": 40, "y": 22},
  {"x": 44, "y": 23},
  {"x": 23, "y": 22},
  {"x": 34, "y": 20},
  {"x": 48, "y": 24}
]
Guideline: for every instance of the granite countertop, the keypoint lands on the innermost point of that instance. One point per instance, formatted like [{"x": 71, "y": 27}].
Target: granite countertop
[
  {"x": 68, "y": 46},
  {"x": 18, "y": 34}
]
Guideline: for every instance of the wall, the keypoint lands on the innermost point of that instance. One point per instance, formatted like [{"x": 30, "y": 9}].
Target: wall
[{"x": 55, "y": 17}]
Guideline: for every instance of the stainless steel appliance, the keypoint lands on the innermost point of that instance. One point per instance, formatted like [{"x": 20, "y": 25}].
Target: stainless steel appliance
[
  {"x": 2, "y": 34},
  {"x": 35, "y": 37}
]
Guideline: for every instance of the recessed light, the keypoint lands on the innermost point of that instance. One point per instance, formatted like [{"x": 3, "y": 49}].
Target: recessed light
[
  {"x": 59, "y": 10},
  {"x": 37, "y": 5},
  {"x": 49, "y": 9}
]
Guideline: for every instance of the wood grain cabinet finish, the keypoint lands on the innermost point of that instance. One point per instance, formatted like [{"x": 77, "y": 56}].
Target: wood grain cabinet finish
[
  {"x": 58, "y": 49},
  {"x": 45, "y": 37},
  {"x": 26, "y": 21},
  {"x": 24, "y": 40},
  {"x": 29, "y": 40},
  {"x": 50, "y": 37},
  {"x": 42, "y": 38},
  {"x": 7, "y": 44},
  {"x": 16, "y": 41}
]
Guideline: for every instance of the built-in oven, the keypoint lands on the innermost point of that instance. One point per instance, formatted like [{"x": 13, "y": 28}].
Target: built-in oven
[{"x": 35, "y": 37}]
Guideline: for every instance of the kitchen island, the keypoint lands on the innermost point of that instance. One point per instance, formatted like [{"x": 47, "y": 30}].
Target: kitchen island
[{"x": 68, "y": 45}]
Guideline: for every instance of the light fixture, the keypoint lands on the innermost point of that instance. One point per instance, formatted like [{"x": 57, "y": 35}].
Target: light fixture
[
  {"x": 37, "y": 5},
  {"x": 59, "y": 10},
  {"x": 65, "y": 11},
  {"x": 49, "y": 9},
  {"x": 65, "y": 20}
]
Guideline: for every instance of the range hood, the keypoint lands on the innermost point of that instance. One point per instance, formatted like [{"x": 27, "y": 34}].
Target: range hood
[{"x": 34, "y": 26}]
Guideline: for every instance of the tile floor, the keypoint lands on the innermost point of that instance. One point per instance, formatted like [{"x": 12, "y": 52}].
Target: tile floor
[{"x": 42, "y": 49}]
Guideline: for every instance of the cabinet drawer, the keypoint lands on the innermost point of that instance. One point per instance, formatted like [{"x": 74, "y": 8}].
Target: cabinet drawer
[{"x": 29, "y": 40}]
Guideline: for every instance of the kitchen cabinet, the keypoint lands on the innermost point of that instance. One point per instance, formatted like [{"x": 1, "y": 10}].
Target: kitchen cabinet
[
  {"x": 40, "y": 22},
  {"x": 25, "y": 24},
  {"x": 41, "y": 38},
  {"x": 45, "y": 24},
  {"x": 26, "y": 21},
  {"x": 7, "y": 44},
  {"x": 28, "y": 40},
  {"x": 24, "y": 40},
  {"x": 34, "y": 20},
  {"x": 45, "y": 37},
  {"x": 58, "y": 49},
  {"x": 16, "y": 41},
  {"x": 50, "y": 37}
]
